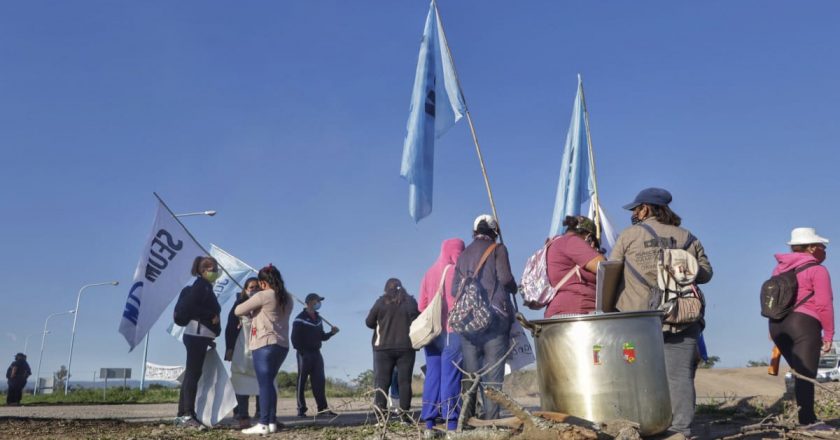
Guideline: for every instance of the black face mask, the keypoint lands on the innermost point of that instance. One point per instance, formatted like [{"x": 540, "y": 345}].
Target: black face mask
[{"x": 634, "y": 219}]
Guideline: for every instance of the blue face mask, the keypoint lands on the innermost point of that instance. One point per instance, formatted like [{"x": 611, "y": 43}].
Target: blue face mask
[{"x": 317, "y": 306}]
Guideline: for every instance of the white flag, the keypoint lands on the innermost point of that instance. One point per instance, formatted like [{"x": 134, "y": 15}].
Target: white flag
[
  {"x": 225, "y": 287},
  {"x": 215, "y": 396},
  {"x": 163, "y": 270},
  {"x": 522, "y": 354}
]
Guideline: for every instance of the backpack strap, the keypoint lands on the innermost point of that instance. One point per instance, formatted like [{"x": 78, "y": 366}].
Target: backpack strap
[
  {"x": 442, "y": 280},
  {"x": 484, "y": 257},
  {"x": 803, "y": 268},
  {"x": 574, "y": 271}
]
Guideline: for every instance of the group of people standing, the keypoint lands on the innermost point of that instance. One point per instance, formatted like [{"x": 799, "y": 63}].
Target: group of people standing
[
  {"x": 257, "y": 343},
  {"x": 572, "y": 261}
]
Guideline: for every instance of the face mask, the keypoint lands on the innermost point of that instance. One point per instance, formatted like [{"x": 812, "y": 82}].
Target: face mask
[
  {"x": 634, "y": 219},
  {"x": 819, "y": 254},
  {"x": 317, "y": 306},
  {"x": 211, "y": 277}
]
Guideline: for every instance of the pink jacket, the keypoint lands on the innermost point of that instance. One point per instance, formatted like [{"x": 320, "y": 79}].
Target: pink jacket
[
  {"x": 449, "y": 252},
  {"x": 814, "y": 279}
]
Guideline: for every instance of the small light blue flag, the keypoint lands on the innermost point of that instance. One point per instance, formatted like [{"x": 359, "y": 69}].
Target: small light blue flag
[
  {"x": 436, "y": 105},
  {"x": 576, "y": 186}
]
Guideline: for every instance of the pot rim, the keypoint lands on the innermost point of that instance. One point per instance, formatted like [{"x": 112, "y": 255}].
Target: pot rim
[{"x": 598, "y": 316}]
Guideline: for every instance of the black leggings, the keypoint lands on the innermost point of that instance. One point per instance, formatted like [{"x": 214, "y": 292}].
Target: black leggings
[
  {"x": 196, "y": 351},
  {"x": 798, "y": 337},
  {"x": 386, "y": 361}
]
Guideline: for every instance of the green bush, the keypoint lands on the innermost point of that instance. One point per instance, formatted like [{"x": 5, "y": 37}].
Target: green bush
[{"x": 154, "y": 394}]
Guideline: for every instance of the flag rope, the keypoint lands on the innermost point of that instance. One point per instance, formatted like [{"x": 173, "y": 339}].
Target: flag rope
[{"x": 595, "y": 200}]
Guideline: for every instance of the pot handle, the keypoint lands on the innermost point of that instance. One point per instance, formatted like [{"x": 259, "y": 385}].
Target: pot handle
[{"x": 533, "y": 328}]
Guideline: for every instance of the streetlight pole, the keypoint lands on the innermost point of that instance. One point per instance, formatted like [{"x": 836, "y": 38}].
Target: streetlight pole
[
  {"x": 209, "y": 213},
  {"x": 26, "y": 343},
  {"x": 73, "y": 333},
  {"x": 43, "y": 340}
]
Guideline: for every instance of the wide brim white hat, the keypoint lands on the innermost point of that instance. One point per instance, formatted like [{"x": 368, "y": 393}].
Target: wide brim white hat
[{"x": 805, "y": 236}]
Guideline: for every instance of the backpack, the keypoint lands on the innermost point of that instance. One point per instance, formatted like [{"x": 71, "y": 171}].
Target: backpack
[
  {"x": 676, "y": 292},
  {"x": 778, "y": 294},
  {"x": 180, "y": 315},
  {"x": 426, "y": 327},
  {"x": 472, "y": 313},
  {"x": 536, "y": 289}
]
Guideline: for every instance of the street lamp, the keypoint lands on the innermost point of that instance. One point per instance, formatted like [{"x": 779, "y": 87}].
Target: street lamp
[
  {"x": 43, "y": 339},
  {"x": 73, "y": 334},
  {"x": 209, "y": 213},
  {"x": 26, "y": 344}
]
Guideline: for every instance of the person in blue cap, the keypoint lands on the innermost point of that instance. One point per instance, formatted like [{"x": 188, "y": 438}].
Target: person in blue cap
[
  {"x": 307, "y": 335},
  {"x": 656, "y": 226}
]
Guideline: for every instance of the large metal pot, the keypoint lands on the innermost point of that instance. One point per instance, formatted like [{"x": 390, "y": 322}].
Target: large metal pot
[{"x": 604, "y": 367}]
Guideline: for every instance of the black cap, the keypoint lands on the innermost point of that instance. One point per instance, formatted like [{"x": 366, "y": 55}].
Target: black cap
[
  {"x": 21, "y": 355},
  {"x": 650, "y": 196},
  {"x": 313, "y": 297}
]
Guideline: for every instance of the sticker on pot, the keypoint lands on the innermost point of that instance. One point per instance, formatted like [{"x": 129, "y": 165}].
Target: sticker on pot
[
  {"x": 629, "y": 352},
  {"x": 596, "y": 354}
]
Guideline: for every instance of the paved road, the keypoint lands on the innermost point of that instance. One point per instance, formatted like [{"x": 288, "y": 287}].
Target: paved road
[{"x": 351, "y": 412}]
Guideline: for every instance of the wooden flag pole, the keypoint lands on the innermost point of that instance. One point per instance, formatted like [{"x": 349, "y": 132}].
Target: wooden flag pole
[
  {"x": 472, "y": 130},
  {"x": 595, "y": 201}
]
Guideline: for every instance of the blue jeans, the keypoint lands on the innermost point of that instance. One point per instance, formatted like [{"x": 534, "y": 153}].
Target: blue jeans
[
  {"x": 442, "y": 387},
  {"x": 267, "y": 361},
  {"x": 481, "y": 352}
]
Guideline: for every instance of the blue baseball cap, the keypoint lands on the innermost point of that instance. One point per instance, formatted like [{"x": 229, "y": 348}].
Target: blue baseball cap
[{"x": 650, "y": 196}]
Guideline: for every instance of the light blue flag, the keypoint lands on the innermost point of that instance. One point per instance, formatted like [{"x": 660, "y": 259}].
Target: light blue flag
[
  {"x": 436, "y": 105},
  {"x": 576, "y": 186},
  {"x": 576, "y": 189}
]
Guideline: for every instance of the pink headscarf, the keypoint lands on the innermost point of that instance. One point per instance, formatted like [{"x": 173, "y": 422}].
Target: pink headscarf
[{"x": 449, "y": 251}]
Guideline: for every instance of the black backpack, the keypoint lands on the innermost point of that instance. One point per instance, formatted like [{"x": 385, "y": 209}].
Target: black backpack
[{"x": 778, "y": 294}]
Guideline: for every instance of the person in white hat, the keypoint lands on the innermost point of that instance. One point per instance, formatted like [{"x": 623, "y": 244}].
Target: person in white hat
[
  {"x": 809, "y": 328},
  {"x": 487, "y": 348}
]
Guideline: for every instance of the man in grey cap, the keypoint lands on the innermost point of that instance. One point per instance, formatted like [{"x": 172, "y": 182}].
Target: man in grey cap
[
  {"x": 656, "y": 226},
  {"x": 307, "y": 336}
]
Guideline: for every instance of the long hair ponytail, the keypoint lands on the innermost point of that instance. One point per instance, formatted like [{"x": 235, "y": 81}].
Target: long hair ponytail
[{"x": 271, "y": 276}]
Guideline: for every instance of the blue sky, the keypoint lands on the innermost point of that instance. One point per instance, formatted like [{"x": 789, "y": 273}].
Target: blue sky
[{"x": 288, "y": 118}]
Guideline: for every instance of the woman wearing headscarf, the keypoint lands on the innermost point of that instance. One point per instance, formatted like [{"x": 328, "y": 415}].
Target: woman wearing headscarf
[
  {"x": 808, "y": 329},
  {"x": 391, "y": 318},
  {"x": 442, "y": 385}
]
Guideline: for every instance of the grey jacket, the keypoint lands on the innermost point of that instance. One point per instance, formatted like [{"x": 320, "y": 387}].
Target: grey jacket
[{"x": 637, "y": 247}]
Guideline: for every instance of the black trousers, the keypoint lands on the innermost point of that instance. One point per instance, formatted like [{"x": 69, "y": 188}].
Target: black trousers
[
  {"x": 798, "y": 338},
  {"x": 15, "y": 392},
  {"x": 311, "y": 367},
  {"x": 196, "y": 351},
  {"x": 386, "y": 361}
]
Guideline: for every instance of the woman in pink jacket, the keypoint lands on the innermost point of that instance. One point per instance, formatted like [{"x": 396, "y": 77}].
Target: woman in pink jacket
[
  {"x": 798, "y": 334},
  {"x": 442, "y": 387}
]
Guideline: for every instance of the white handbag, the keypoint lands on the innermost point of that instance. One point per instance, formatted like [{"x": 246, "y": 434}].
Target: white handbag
[{"x": 426, "y": 327}]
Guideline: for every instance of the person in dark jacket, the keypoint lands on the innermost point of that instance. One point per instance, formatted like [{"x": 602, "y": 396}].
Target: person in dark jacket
[
  {"x": 16, "y": 377},
  {"x": 199, "y": 310},
  {"x": 307, "y": 335},
  {"x": 244, "y": 385},
  {"x": 391, "y": 318},
  {"x": 490, "y": 347}
]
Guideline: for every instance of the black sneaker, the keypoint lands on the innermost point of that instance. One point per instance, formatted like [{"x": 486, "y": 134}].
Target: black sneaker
[
  {"x": 326, "y": 413},
  {"x": 302, "y": 415}
]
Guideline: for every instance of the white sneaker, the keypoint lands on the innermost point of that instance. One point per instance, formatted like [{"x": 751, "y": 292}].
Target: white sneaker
[
  {"x": 259, "y": 429},
  {"x": 272, "y": 428}
]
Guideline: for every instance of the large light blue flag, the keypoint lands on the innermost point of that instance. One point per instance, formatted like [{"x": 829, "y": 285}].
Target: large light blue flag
[
  {"x": 436, "y": 105},
  {"x": 576, "y": 188}
]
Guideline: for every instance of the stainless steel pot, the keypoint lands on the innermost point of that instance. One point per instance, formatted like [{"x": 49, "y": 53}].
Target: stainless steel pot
[{"x": 604, "y": 367}]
